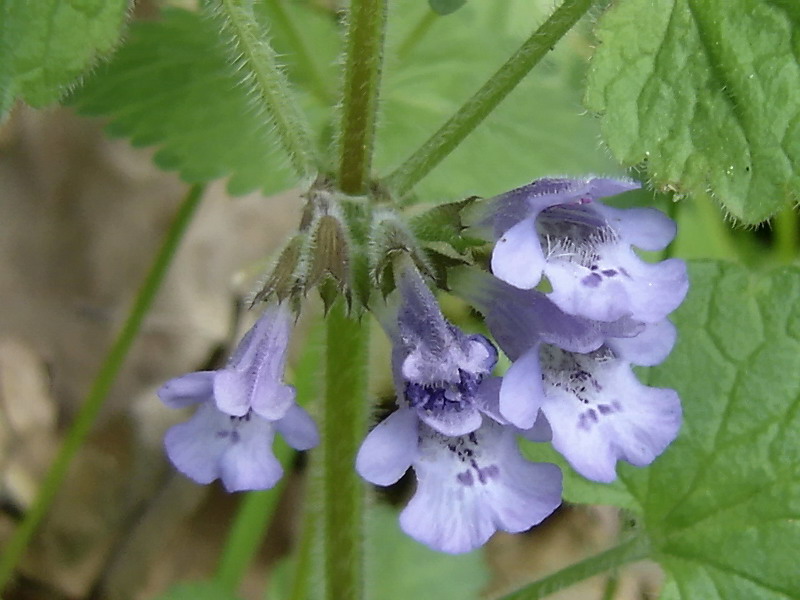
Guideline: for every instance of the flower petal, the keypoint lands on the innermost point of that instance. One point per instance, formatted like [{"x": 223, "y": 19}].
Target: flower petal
[
  {"x": 470, "y": 486},
  {"x": 298, "y": 428},
  {"x": 389, "y": 449},
  {"x": 249, "y": 463},
  {"x": 645, "y": 228},
  {"x": 195, "y": 447},
  {"x": 521, "y": 393},
  {"x": 187, "y": 389},
  {"x": 517, "y": 256},
  {"x": 649, "y": 347},
  {"x": 452, "y": 422},
  {"x": 619, "y": 284},
  {"x": 253, "y": 377},
  {"x": 600, "y": 413}
]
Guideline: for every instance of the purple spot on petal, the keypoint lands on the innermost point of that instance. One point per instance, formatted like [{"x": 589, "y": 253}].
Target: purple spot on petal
[
  {"x": 492, "y": 471},
  {"x": 465, "y": 478},
  {"x": 235, "y": 437},
  {"x": 222, "y": 434},
  {"x": 617, "y": 405},
  {"x": 624, "y": 272},
  {"x": 609, "y": 272},
  {"x": 604, "y": 409},
  {"x": 593, "y": 415},
  {"x": 592, "y": 280}
]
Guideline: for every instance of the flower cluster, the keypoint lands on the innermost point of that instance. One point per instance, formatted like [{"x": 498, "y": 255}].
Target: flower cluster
[
  {"x": 572, "y": 344},
  {"x": 570, "y": 380}
]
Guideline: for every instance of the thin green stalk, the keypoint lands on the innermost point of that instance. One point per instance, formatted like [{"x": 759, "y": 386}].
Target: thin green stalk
[
  {"x": 284, "y": 22},
  {"x": 246, "y": 534},
  {"x": 344, "y": 424},
  {"x": 363, "y": 61},
  {"x": 417, "y": 33},
  {"x": 255, "y": 59},
  {"x": 475, "y": 110},
  {"x": 100, "y": 387},
  {"x": 631, "y": 550},
  {"x": 787, "y": 234}
]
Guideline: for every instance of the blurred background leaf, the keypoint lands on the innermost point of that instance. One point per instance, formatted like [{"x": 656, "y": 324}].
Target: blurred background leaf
[{"x": 47, "y": 44}]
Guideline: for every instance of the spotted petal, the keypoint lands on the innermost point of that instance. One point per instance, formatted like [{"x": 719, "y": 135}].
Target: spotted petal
[
  {"x": 469, "y": 487},
  {"x": 213, "y": 445},
  {"x": 599, "y": 413}
]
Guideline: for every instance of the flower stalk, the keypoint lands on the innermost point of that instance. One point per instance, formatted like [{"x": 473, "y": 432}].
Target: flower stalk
[
  {"x": 253, "y": 56},
  {"x": 363, "y": 63},
  {"x": 343, "y": 425},
  {"x": 628, "y": 551},
  {"x": 486, "y": 99}
]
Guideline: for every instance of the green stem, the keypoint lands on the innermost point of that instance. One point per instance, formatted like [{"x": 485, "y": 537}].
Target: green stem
[
  {"x": 417, "y": 33},
  {"x": 475, "y": 110},
  {"x": 344, "y": 424},
  {"x": 247, "y": 533},
  {"x": 301, "y": 53},
  {"x": 631, "y": 550},
  {"x": 100, "y": 387},
  {"x": 253, "y": 56},
  {"x": 787, "y": 235},
  {"x": 363, "y": 62}
]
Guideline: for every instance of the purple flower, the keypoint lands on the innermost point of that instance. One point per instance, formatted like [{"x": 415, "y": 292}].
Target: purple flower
[
  {"x": 471, "y": 479},
  {"x": 520, "y": 321},
  {"x": 240, "y": 408},
  {"x": 600, "y": 413},
  {"x": 436, "y": 366},
  {"x": 468, "y": 486},
  {"x": 573, "y": 375},
  {"x": 557, "y": 228}
]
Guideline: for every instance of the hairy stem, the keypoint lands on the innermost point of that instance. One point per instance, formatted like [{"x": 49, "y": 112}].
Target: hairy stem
[
  {"x": 631, "y": 550},
  {"x": 344, "y": 423},
  {"x": 363, "y": 61},
  {"x": 486, "y": 99},
  {"x": 255, "y": 59},
  {"x": 101, "y": 385}
]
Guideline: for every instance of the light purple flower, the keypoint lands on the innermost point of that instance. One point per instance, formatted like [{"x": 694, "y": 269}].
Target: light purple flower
[
  {"x": 238, "y": 450},
  {"x": 520, "y": 321},
  {"x": 557, "y": 228},
  {"x": 437, "y": 368},
  {"x": 600, "y": 413},
  {"x": 471, "y": 479},
  {"x": 240, "y": 408},
  {"x": 468, "y": 486}
]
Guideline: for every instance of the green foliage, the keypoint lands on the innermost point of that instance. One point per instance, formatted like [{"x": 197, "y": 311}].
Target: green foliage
[
  {"x": 404, "y": 568},
  {"x": 172, "y": 85},
  {"x": 445, "y": 7},
  {"x": 707, "y": 93},
  {"x": 197, "y": 590},
  {"x": 45, "y": 45},
  {"x": 538, "y": 130},
  {"x": 722, "y": 506}
]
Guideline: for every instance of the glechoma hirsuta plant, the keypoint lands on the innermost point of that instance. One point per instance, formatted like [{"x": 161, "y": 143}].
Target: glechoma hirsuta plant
[{"x": 572, "y": 313}]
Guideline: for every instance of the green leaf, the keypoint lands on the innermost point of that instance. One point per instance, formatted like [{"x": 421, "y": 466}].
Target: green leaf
[
  {"x": 400, "y": 568},
  {"x": 197, "y": 590},
  {"x": 445, "y": 7},
  {"x": 171, "y": 85},
  {"x": 45, "y": 45},
  {"x": 722, "y": 505},
  {"x": 707, "y": 92},
  {"x": 539, "y": 130},
  {"x": 578, "y": 489}
]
